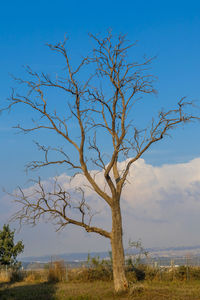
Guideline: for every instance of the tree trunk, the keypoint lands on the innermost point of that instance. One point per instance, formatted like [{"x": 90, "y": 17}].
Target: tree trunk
[{"x": 120, "y": 282}]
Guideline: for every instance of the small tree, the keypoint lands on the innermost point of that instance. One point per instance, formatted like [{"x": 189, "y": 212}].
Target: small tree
[
  {"x": 98, "y": 103},
  {"x": 8, "y": 249}
]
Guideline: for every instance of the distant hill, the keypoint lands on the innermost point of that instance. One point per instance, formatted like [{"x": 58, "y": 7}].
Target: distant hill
[
  {"x": 154, "y": 252},
  {"x": 66, "y": 257}
]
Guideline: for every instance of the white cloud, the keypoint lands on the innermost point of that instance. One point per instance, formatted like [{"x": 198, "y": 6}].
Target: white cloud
[
  {"x": 170, "y": 188},
  {"x": 161, "y": 205}
]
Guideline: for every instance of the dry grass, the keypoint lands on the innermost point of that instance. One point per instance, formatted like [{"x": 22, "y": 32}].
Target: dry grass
[
  {"x": 84, "y": 284},
  {"x": 4, "y": 276},
  {"x": 57, "y": 272},
  {"x": 36, "y": 276},
  {"x": 99, "y": 290}
]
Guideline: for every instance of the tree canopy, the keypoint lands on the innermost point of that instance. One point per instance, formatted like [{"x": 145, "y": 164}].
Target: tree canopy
[{"x": 8, "y": 249}]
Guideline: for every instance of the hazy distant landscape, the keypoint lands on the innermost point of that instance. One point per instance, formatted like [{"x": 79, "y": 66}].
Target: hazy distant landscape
[{"x": 193, "y": 251}]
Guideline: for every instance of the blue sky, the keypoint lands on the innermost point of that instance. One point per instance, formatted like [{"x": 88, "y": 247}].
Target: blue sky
[{"x": 167, "y": 29}]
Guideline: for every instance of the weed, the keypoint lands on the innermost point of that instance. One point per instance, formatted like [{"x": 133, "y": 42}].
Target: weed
[{"x": 57, "y": 272}]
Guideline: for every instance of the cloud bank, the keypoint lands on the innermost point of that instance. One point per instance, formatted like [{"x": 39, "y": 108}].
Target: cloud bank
[{"x": 160, "y": 205}]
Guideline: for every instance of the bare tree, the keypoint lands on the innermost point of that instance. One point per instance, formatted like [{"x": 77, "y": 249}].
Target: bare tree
[{"x": 99, "y": 101}]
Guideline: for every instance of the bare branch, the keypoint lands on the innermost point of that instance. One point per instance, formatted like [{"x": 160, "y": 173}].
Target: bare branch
[
  {"x": 166, "y": 122},
  {"x": 56, "y": 204},
  {"x": 38, "y": 164}
]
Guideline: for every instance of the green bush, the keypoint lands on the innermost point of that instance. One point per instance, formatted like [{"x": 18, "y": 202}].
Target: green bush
[
  {"x": 95, "y": 269},
  {"x": 134, "y": 272},
  {"x": 181, "y": 273},
  {"x": 187, "y": 273},
  {"x": 16, "y": 275},
  {"x": 140, "y": 272},
  {"x": 91, "y": 274},
  {"x": 152, "y": 273},
  {"x": 194, "y": 273}
]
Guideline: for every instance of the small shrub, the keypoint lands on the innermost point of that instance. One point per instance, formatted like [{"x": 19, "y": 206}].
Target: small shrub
[
  {"x": 152, "y": 273},
  {"x": 187, "y": 273},
  {"x": 140, "y": 272},
  {"x": 32, "y": 276},
  {"x": 98, "y": 269},
  {"x": 181, "y": 273},
  {"x": 135, "y": 273},
  {"x": 95, "y": 269},
  {"x": 194, "y": 273},
  {"x": 16, "y": 275},
  {"x": 90, "y": 274},
  {"x": 57, "y": 272}
]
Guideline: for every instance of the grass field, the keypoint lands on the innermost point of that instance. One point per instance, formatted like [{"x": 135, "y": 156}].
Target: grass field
[{"x": 99, "y": 290}]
